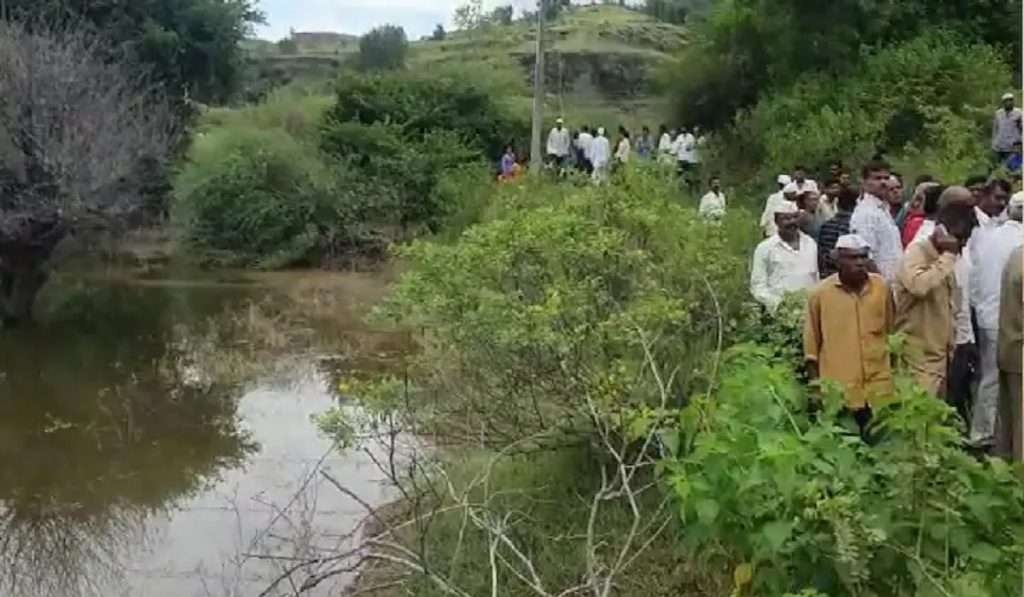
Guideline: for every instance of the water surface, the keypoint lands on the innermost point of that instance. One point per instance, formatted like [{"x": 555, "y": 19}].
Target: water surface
[{"x": 155, "y": 432}]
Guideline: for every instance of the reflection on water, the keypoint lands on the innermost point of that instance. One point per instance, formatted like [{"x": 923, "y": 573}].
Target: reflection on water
[{"x": 129, "y": 468}]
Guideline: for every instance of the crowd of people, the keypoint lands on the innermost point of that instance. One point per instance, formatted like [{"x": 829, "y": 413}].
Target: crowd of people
[
  {"x": 940, "y": 264},
  {"x": 589, "y": 150},
  {"x": 942, "y": 267}
]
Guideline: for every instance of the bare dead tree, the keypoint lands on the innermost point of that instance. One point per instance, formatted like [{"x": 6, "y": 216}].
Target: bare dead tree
[
  {"x": 395, "y": 544},
  {"x": 80, "y": 131}
]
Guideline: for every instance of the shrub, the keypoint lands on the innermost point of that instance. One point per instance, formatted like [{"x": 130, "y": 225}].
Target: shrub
[
  {"x": 292, "y": 108},
  {"x": 766, "y": 47},
  {"x": 463, "y": 194},
  {"x": 403, "y": 131},
  {"x": 926, "y": 93},
  {"x": 383, "y": 48},
  {"x": 793, "y": 503},
  {"x": 532, "y": 313},
  {"x": 419, "y": 104},
  {"x": 260, "y": 197}
]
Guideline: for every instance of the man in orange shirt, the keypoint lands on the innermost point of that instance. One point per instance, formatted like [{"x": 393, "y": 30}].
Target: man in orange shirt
[{"x": 849, "y": 318}]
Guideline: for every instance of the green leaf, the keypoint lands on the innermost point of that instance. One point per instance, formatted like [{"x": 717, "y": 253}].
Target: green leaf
[
  {"x": 985, "y": 552},
  {"x": 777, "y": 533},
  {"x": 707, "y": 511}
]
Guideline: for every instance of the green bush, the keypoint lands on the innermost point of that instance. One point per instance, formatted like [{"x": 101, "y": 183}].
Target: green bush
[
  {"x": 423, "y": 103},
  {"x": 383, "y": 48},
  {"x": 765, "y": 46},
  {"x": 292, "y": 109},
  {"x": 794, "y": 503},
  {"x": 553, "y": 301},
  {"x": 934, "y": 92},
  {"x": 463, "y": 194},
  {"x": 404, "y": 131},
  {"x": 261, "y": 197}
]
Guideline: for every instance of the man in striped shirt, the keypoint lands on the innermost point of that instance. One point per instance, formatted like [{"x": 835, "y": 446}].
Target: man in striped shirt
[{"x": 836, "y": 227}]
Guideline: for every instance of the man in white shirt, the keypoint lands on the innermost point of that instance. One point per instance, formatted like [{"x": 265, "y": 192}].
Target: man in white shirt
[
  {"x": 990, "y": 252},
  {"x": 559, "y": 143},
  {"x": 873, "y": 221},
  {"x": 786, "y": 262},
  {"x": 584, "y": 143},
  {"x": 992, "y": 201},
  {"x": 683, "y": 149},
  {"x": 1006, "y": 128},
  {"x": 712, "y": 204},
  {"x": 802, "y": 183},
  {"x": 665, "y": 147},
  {"x": 774, "y": 200},
  {"x": 600, "y": 153}
]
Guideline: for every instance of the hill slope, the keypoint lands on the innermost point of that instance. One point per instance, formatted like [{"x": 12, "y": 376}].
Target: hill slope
[{"x": 601, "y": 62}]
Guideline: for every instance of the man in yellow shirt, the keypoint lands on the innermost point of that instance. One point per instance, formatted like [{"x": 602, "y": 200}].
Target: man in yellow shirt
[
  {"x": 928, "y": 296},
  {"x": 849, "y": 317}
]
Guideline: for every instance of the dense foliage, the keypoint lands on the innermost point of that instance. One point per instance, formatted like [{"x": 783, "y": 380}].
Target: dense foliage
[
  {"x": 557, "y": 299},
  {"x": 191, "y": 46},
  {"x": 927, "y": 100},
  {"x": 676, "y": 11},
  {"x": 255, "y": 190},
  {"x": 747, "y": 49},
  {"x": 383, "y": 48},
  {"x": 403, "y": 131},
  {"x": 561, "y": 308},
  {"x": 794, "y": 502}
]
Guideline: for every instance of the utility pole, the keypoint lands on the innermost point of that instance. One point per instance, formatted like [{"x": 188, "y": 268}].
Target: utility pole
[{"x": 536, "y": 159}]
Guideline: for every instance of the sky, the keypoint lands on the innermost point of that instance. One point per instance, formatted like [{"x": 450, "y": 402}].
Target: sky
[{"x": 418, "y": 17}]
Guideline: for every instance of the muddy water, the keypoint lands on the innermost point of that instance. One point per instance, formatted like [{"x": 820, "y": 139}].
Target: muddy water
[{"x": 156, "y": 436}]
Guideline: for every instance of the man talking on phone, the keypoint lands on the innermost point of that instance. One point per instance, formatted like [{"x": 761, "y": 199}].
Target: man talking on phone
[{"x": 928, "y": 296}]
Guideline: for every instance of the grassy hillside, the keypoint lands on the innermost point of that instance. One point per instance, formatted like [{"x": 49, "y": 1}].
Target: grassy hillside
[{"x": 600, "y": 70}]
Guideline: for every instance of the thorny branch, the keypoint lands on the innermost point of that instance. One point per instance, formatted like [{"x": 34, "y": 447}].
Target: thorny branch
[{"x": 397, "y": 537}]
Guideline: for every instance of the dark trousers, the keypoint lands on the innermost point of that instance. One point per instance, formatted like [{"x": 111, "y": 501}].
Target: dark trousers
[
  {"x": 963, "y": 371},
  {"x": 858, "y": 420}
]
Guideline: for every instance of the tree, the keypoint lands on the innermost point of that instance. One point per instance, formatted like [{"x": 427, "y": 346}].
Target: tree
[
  {"x": 189, "y": 45},
  {"x": 750, "y": 47},
  {"x": 439, "y": 33},
  {"x": 502, "y": 15},
  {"x": 287, "y": 46},
  {"x": 81, "y": 135},
  {"x": 470, "y": 15},
  {"x": 383, "y": 48}
]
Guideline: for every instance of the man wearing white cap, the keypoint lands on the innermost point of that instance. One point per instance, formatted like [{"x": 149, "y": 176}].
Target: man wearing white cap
[
  {"x": 600, "y": 153},
  {"x": 990, "y": 255},
  {"x": 802, "y": 183},
  {"x": 774, "y": 200},
  {"x": 1006, "y": 128},
  {"x": 785, "y": 262},
  {"x": 559, "y": 143},
  {"x": 849, "y": 317}
]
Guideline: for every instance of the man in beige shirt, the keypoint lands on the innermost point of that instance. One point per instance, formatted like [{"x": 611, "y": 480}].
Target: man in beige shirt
[
  {"x": 928, "y": 297},
  {"x": 1009, "y": 440}
]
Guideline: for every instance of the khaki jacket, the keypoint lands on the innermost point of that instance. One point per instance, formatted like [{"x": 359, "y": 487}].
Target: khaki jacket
[{"x": 927, "y": 300}]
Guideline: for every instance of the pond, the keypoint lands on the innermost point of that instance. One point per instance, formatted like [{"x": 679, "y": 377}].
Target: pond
[{"x": 156, "y": 435}]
